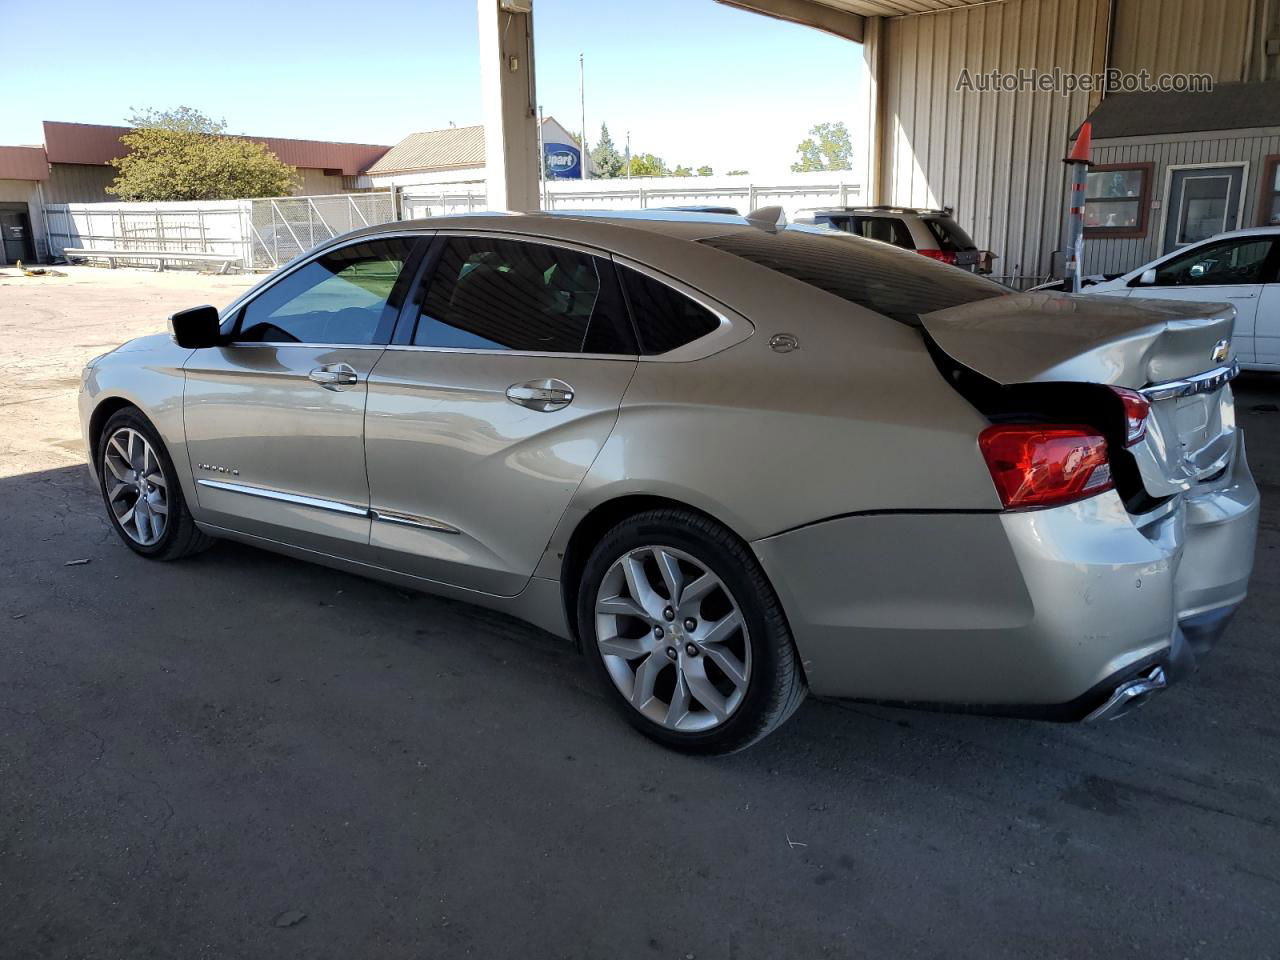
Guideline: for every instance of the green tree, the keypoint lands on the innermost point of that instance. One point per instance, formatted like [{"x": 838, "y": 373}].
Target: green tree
[
  {"x": 705, "y": 171},
  {"x": 605, "y": 156},
  {"x": 736, "y": 173},
  {"x": 647, "y": 165},
  {"x": 682, "y": 171},
  {"x": 184, "y": 155},
  {"x": 827, "y": 148}
]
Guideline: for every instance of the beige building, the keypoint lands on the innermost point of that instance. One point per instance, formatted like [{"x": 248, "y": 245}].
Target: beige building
[
  {"x": 994, "y": 156},
  {"x": 451, "y": 155},
  {"x": 73, "y": 165}
]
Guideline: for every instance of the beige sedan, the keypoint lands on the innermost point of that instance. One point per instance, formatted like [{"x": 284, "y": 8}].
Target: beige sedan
[{"x": 733, "y": 463}]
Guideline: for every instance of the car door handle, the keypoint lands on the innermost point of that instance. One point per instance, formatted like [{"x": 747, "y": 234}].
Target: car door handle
[
  {"x": 334, "y": 376},
  {"x": 541, "y": 395}
]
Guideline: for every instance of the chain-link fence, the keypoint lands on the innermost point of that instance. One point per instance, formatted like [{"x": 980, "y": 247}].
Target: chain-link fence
[{"x": 280, "y": 228}]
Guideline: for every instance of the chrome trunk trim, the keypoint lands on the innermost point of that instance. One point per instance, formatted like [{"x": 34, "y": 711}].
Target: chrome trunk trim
[
  {"x": 332, "y": 506},
  {"x": 1205, "y": 382}
]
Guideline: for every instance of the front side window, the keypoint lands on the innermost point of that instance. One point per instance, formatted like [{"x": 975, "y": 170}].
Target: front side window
[
  {"x": 1228, "y": 262},
  {"x": 1115, "y": 201},
  {"x": 490, "y": 294},
  {"x": 343, "y": 297}
]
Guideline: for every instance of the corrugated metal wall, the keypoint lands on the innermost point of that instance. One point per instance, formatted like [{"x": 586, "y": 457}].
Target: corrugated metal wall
[
  {"x": 1119, "y": 255},
  {"x": 994, "y": 157},
  {"x": 78, "y": 183},
  {"x": 1184, "y": 36}
]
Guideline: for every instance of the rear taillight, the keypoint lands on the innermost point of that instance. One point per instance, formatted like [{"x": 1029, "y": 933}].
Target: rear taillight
[
  {"x": 1136, "y": 410},
  {"x": 1045, "y": 466},
  {"x": 946, "y": 256}
]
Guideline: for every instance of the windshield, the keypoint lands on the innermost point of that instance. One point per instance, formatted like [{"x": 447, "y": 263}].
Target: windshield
[{"x": 894, "y": 282}]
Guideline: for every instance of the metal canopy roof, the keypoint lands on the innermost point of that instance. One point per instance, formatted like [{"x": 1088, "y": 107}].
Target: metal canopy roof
[
  {"x": 825, "y": 14},
  {"x": 897, "y": 8}
]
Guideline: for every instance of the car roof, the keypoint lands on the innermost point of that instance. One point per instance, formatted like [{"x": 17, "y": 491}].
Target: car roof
[
  {"x": 1270, "y": 230},
  {"x": 616, "y": 230}
]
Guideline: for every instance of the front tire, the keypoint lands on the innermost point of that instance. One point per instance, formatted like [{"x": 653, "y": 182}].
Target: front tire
[
  {"x": 141, "y": 491},
  {"x": 687, "y": 634}
]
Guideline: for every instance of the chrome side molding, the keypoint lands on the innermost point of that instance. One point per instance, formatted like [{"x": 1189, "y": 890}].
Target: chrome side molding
[
  {"x": 1205, "y": 382},
  {"x": 333, "y": 506},
  {"x": 413, "y": 520}
]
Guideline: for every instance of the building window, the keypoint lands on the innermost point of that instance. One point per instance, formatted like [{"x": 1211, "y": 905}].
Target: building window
[
  {"x": 1269, "y": 208},
  {"x": 1116, "y": 200}
]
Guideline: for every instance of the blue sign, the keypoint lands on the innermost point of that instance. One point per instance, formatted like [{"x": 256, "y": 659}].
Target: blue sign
[{"x": 564, "y": 161}]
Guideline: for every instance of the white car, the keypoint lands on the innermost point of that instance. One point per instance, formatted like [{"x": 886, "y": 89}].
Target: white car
[{"x": 1241, "y": 267}]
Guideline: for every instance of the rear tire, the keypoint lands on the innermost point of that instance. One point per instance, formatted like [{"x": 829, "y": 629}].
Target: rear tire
[
  {"x": 712, "y": 672},
  {"x": 141, "y": 491}
]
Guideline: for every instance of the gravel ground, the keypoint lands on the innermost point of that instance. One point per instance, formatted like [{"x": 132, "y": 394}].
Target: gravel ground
[{"x": 247, "y": 756}]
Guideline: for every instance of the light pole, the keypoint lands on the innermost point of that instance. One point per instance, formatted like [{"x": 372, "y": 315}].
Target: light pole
[{"x": 582, "y": 102}]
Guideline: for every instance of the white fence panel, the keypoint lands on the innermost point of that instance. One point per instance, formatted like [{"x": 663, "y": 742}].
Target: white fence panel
[
  {"x": 424, "y": 201},
  {"x": 792, "y": 193},
  {"x": 266, "y": 233},
  {"x": 197, "y": 226}
]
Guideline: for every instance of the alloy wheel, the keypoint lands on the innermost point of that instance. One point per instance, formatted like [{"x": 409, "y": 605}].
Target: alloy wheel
[
  {"x": 673, "y": 638},
  {"x": 135, "y": 486}
]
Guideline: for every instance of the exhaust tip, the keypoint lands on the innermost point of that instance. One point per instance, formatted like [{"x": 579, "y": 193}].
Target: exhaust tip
[{"x": 1130, "y": 694}]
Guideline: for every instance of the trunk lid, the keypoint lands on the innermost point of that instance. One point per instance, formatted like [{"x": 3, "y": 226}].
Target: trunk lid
[{"x": 1177, "y": 354}]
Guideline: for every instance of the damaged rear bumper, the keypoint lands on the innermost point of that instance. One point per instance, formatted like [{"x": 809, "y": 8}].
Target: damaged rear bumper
[{"x": 1044, "y": 614}]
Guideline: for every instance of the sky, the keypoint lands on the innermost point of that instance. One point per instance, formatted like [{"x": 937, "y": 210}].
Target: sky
[{"x": 694, "y": 81}]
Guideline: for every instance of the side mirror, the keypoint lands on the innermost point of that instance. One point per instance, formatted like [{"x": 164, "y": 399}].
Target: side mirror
[
  {"x": 196, "y": 327},
  {"x": 1147, "y": 278}
]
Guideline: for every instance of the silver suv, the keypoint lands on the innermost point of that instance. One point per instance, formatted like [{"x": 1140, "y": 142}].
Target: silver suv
[{"x": 932, "y": 233}]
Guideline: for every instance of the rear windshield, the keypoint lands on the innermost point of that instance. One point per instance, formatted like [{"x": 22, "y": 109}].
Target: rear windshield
[
  {"x": 894, "y": 282},
  {"x": 951, "y": 238}
]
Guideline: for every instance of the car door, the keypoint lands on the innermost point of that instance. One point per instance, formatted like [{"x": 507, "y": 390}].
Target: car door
[
  {"x": 1267, "y": 323},
  {"x": 501, "y": 387},
  {"x": 1230, "y": 270},
  {"x": 275, "y": 418}
]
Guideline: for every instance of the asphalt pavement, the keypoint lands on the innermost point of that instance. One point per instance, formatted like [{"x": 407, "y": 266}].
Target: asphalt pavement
[{"x": 242, "y": 755}]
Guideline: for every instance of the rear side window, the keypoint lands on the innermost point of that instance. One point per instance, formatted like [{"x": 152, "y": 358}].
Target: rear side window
[
  {"x": 884, "y": 229},
  {"x": 891, "y": 281},
  {"x": 951, "y": 238},
  {"x": 490, "y": 294},
  {"x": 665, "y": 317}
]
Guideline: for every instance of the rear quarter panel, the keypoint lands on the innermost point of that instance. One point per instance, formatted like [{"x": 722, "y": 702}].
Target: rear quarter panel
[{"x": 857, "y": 419}]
